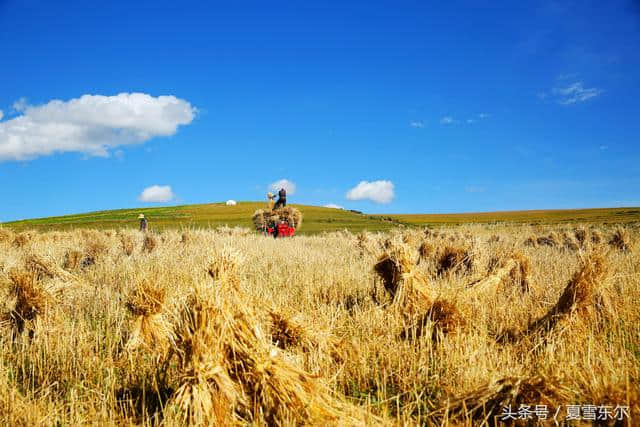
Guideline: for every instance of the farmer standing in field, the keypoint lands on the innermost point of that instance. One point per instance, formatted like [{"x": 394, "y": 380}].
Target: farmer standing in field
[
  {"x": 143, "y": 223},
  {"x": 282, "y": 198}
]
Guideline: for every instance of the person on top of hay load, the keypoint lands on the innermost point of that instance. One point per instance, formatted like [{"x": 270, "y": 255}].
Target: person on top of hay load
[
  {"x": 271, "y": 198},
  {"x": 143, "y": 222},
  {"x": 282, "y": 199}
]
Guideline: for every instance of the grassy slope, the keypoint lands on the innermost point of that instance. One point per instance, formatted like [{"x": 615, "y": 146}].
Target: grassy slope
[
  {"x": 316, "y": 219},
  {"x": 603, "y": 216}
]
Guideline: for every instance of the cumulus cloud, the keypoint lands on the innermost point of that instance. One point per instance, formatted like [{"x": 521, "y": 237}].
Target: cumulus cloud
[
  {"x": 332, "y": 206},
  {"x": 156, "y": 194},
  {"x": 290, "y": 186},
  {"x": 574, "y": 93},
  {"x": 416, "y": 123},
  {"x": 377, "y": 191},
  {"x": 447, "y": 120},
  {"x": 91, "y": 124}
]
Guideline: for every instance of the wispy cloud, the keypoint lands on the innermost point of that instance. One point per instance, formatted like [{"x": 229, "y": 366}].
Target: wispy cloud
[
  {"x": 448, "y": 120},
  {"x": 570, "y": 94},
  {"x": 416, "y": 123},
  {"x": 381, "y": 191},
  {"x": 484, "y": 115},
  {"x": 574, "y": 93},
  {"x": 156, "y": 194},
  {"x": 92, "y": 124}
]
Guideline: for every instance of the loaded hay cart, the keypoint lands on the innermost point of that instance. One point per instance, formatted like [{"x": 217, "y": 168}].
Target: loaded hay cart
[{"x": 281, "y": 222}]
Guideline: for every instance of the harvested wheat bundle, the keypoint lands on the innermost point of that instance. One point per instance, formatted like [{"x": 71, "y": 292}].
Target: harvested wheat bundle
[
  {"x": 581, "y": 235},
  {"x": 42, "y": 268},
  {"x": 261, "y": 219},
  {"x": 6, "y": 236},
  {"x": 207, "y": 395},
  {"x": 444, "y": 318},
  {"x": 493, "y": 239},
  {"x": 225, "y": 267},
  {"x": 620, "y": 240},
  {"x": 486, "y": 404},
  {"x": 150, "y": 328},
  {"x": 425, "y": 251},
  {"x": 550, "y": 240},
  {"x": 264, "y": 388},
  {"x": 282, "y": 393},
  {"x": 31, "y": 300},
  {"x": 184, "y": 239},
  {"x": 401, "y": 279},
  {"x": 128, "y": 244},
  {"x": 454, "y": 259},
  {"x": 531, "y": 241},
  {"x": 287, "y": 331},
  {"x": 149, "y": 243},
  {"x": 72, "y": 259},
  {"x": 22, "y": 239},
  {"x": 569, "y": 244},
  {"x": 582, "y": 295},
  {"x": 515, "y": 270}
]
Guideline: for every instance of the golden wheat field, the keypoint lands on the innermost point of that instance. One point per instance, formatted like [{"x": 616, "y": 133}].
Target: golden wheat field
[{"x": 410, "y": 327}]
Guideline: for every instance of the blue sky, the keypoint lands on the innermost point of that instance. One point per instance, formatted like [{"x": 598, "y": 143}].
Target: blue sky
[{"x": 439, "y": 108}]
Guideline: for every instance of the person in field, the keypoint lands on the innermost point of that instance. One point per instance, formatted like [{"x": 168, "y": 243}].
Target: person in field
[
  {"x": 271, "y": 198},
  {"x": 282, "y": 199},
  {"x": 143, "y": 223}
]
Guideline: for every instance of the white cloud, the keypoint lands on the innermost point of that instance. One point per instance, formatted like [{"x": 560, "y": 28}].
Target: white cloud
[
  {"x": 91, "y": 124},
  {"x": 574, "y": 93},
  {"x": 156, "y": 194},
  {"x": 447, "y": 120},
  {"x": 376, "y": 191},
  {"x": 416, "y": 123},
  {"x": 289, "y": 186},
  {"x": 332, "y": 206}
]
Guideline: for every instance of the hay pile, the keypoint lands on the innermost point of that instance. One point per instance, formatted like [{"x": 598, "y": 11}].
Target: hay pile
[
  {"x": 412, "y": 294},
  {"x": 584, "y": 298},
  {"x": 31, "y": 301},
  {"x": 150, "y": 327},
  {"x": 262, "y": 218},
  {"x": 454, "y": 259},
  {"x": 550, "y": 240},
  {"x": 231, "y": 373},
  {"x": 514, "y": 270},
  {"x": 486, "y": 404},
  {"x": 620, "y": 240}
]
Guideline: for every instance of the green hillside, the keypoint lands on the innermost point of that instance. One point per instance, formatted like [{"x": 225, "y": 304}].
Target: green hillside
[
  {"x": 597, "y": 215},
  {"x": 316, "y": 219}
]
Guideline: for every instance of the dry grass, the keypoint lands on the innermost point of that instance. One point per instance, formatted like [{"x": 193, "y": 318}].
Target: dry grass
[{"x": 230, "y": 328}]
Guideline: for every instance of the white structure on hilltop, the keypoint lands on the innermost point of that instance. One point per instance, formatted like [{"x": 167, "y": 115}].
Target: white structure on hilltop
[{"x": 231, "y": 203}]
